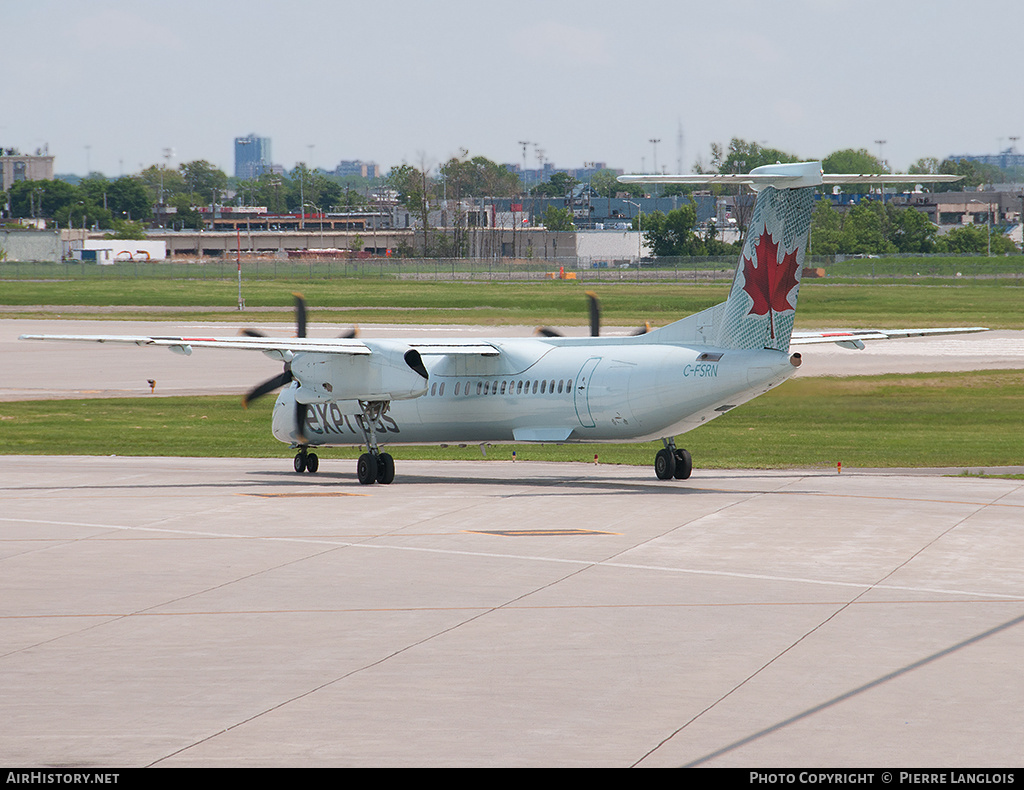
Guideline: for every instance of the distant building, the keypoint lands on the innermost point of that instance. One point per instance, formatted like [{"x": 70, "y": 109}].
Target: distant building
[
  {"x": 15, "y": 167},
  {"x": 532, "y": 177},
  {"x": 355, "y": 167},
  {"x": 1004, "y": 160},
  {"x": 252, "y": 156}
]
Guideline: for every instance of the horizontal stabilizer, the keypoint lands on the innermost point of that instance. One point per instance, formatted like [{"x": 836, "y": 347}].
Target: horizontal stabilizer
[
  {"x": 788, "y": 176},
  {"x": 855, "y": 338}
]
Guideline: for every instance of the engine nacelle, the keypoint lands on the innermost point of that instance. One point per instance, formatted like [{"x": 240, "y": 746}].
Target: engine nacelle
[{"x": 392, "y": 371}]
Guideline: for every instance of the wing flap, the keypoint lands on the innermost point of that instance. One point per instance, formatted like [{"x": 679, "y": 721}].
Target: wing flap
[{"x": 468, "y": 348}]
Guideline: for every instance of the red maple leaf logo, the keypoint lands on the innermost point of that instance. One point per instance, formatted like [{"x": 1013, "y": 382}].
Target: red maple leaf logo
[{"x": 770, "y": 281}]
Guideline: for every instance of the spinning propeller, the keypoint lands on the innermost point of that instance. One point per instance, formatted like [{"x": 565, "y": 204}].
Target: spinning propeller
[
  {"x": 595, "y": 321},
  {"x": 285, "y": 378}
]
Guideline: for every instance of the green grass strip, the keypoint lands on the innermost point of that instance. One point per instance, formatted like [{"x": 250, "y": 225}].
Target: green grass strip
[
  {"x": 974, "y": 303},
  {"x": 923, "y": 420}
]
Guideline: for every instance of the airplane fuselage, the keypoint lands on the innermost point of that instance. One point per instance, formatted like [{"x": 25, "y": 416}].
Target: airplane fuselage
[{"x": 549, "y": 390}]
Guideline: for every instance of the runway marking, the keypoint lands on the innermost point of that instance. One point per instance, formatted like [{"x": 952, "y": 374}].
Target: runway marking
[
  {"x": 898, "y": 498},
  {"x": 302, "y": 494},
  {"x": 864, "y": 586},
  {"x": 548, "y": 607},
  {"x": 515, "y": 533}
]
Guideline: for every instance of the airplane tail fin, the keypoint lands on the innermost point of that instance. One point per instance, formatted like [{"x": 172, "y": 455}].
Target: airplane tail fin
[{"x": 761, "y": 307}]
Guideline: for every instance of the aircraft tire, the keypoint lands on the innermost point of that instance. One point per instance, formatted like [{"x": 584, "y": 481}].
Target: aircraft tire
[
  {"x": 366, "y": 469},
  {"x": 312, "y": 463},
  {"x": 684, "y": 465},
  {"x": 385, "y": 469},
  {"x": 300, "y": 462},
  {"x": 664, "y": 464}
]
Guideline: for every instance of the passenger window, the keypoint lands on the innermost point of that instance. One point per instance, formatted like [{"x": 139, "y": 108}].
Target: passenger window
[
  {"x": 494, "y": 388},
  {"x": 543, "y": 386},
  {"x": 441, "y": 391},
  {"x": 519, "y": 387},
  {"x": 479, "y": 387},
  {"x": 433, "y": 389},
  {"x": 487, "y": 388},
  {"x": 503, "y": 387},
  {"x": 568, "y": 386},
  {"x": 535, "y": 388},
  {"x": 551, "y": 387},
  {"x": 458, "y": 384},
  {"x": 560, "y": 382}
]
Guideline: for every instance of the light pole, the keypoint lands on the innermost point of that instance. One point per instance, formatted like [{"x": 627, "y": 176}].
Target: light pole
[
  {"x": 881, "y": 164},
  {"x": 320, "y": 214},
  {"x": 302, "y": 196},
  {"x": 640, "y": 232},
  {"x": 654, "y": 145},
  {"x": 524, "y": 143}
]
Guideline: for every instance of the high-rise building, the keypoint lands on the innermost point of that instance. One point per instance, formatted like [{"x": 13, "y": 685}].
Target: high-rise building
[
  {"x": 252, "y": 156},
  {"x": 356, "y": 167},
  {"x": 15, "y": 167}
]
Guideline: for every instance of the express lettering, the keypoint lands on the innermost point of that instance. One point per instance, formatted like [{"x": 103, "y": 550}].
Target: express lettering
[{"x": 327, "y": 418}]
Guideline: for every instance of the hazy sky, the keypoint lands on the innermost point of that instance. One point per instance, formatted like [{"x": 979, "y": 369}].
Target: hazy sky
[{"x": 114, "y": 82}]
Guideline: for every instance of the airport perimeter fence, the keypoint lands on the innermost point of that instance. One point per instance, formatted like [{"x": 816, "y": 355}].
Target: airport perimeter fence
[{"x": 890, "y": 269}]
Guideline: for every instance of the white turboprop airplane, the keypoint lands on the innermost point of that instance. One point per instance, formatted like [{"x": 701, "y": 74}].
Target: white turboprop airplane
[{"x": 653, "y": 385}]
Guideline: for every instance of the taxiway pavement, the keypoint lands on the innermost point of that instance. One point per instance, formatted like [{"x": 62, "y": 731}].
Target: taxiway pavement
[{"x": 229, "y": 612}]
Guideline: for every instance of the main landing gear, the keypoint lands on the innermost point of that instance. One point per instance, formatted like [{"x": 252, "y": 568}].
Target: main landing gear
[
  {"x": 306, "y": 461},
  {"x": 373, "y": 466},
  {"x": 671, "y": 462}
]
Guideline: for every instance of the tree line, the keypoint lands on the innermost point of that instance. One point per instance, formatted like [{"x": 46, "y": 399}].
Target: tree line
[
  {"x": 96, "y": 201},
  {"x": 866, "y": 228}
]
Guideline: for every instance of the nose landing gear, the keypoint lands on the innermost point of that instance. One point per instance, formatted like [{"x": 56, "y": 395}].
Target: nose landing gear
[{"x": 306, "y": 461}]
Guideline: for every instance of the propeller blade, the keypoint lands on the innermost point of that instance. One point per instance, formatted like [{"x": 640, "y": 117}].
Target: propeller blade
[
  {"x": 595, "y": 314},
  {"x": 300, "y": 420},
  {"x": 644, "y": 329},
  {"x": 300, "y": 315},
  {"x": 353, "y": 332},
  {"x": 547, "y": 331},
  {"x": 268, "y": 386},
  {"x": 251, "y": 333}
]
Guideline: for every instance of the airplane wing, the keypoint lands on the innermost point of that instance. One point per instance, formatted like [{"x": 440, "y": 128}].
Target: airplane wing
[
  {"x": 855, "y": 338},
  {"x": 184, "y": 345},
  {"x": 277, "y": 345}
]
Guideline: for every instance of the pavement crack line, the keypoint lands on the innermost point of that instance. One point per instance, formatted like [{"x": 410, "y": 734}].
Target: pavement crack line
[
  {"x": 490, "y": 610},
  {"x": 860, "y": 689},
  {"x": 808, "y": 634},
  {"x": 372, "y": 664}
]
